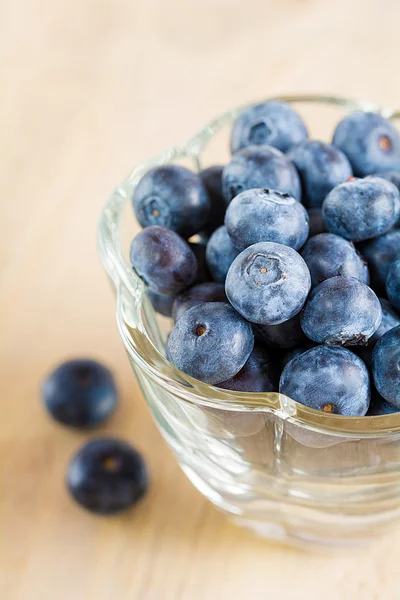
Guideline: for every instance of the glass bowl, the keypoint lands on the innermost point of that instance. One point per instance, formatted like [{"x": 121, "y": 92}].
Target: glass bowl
[{"x": 286, "y": 471}]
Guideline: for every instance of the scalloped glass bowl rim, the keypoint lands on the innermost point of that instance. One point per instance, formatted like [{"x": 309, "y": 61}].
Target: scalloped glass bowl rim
[{"x": 162, "y": 371}]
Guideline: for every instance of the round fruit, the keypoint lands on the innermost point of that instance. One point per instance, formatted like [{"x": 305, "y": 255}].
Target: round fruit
[
  {"x": 342, "y": 311},
  {"x": 210, "y": 342},
  {"x": 107, "y": 476},
  {"x": 268, "y": 283},
  {"x": 333, "y": 380},
  {"x": 80, "y": 393}
]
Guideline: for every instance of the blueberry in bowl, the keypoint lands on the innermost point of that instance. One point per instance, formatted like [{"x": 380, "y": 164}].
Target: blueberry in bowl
[
  {"x": 263, "y": 215},
  {"x": 270, "y": 123},
  {"x": 260, "y": 167},
  {"x": 268, "y": 283},
  {"x": 333, "y": 380},
  {"x": 341, "y": 311}
]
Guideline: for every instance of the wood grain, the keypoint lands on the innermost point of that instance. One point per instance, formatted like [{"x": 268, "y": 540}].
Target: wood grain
[{"x": 88, "y": 90}]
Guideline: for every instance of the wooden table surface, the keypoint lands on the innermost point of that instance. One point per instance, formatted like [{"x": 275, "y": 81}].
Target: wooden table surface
[{"x": 88, "y": 89}]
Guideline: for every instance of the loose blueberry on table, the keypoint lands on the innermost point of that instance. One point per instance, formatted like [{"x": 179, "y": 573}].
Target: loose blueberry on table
[
  {"x": 107, "y": 476},
  {"x": 302, "y": 283},
  {"x": 80, "y": 393}
]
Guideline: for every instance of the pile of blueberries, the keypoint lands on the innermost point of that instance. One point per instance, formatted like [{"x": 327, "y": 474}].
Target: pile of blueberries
[
  {"x": 106, "y": 475},
  {"x": 281, "y": 269}
]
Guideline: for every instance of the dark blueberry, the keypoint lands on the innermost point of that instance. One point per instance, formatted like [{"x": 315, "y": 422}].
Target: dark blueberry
[
  {"x": 268, "y": 283},
  {"x": 272, "y": 123},
  {"x": 361, "y": 209},
  {"x": 392, "y": 176},
  {"x": 393, "y": 283},
  {"x": 163, "y": 260},
  {"x": 333, "y": 380},
  {"x": 220, "y": 254},
  {"x": 390, "y": 319},
  {"x": 328, "y": 255},
  {"x": 262, "y": 215},
  {"x": 285, "y": 335},
  {"x": 259, "y": 374},
  {"x": 199, "y": 250},
  {"x": 203, "y": 292},
  {"x": 370, "y": 142},
  {"x": 212, "y": 181},
  {"x": 378, "y": 405},
  {"x": 341, "y": 310},
  {"x": 107, "y": 476},
  {"x": 174, "y": 197},
  {"x": 315, "y": 221},
  {"x": 321, "y": 167},
  {"x": 380, "y": 253},
  {"x": 210, "y": 342},
  {"x": 260, "y": 167},
  {"x": 386, "y": 366},
  {"x": 80, "y": 393},
  {"x": 161, "y": 304}
]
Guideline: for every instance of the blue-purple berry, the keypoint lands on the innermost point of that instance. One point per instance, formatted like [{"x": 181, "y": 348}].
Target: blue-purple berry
[
  {"x": 220, "y": 254},
  {"x": 272, "y": 123},
  {"x": 107, "y": 476},
  {"x": 163, "y": 260},
  {"x": 361, "y": 209},
  {"x": 174, "y": 197},
  {"x": 210, "y": 342},
  {"x": 263, "y": 215},
  {"x": 268, "y": 283},
  {"x": 328, "y": 255},
  {"x": 260, "y": 167},
  {"x": 341, "y": 311},
  {"x": 80, "y": 393},
  {"x": 321, "y": 167},
  {"x": 370, "y": 142},
  {"x": 333, "y": 380}
]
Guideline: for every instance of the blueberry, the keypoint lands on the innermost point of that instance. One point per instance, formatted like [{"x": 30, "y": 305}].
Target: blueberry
[
  {"x": 80, "y": 393},
  {"x": 161, "y": 304},
  {"x": 393, "y": 283},
  {"x": 378, "y": 405},
  {"x": 268, "y": 283},
  {"x": 107, "y": 476},
  {"x": 371, "y": 142},
  {"x": 199, "y": 250},
  {"x": 220, "y": 254},
  {"x": 203, "y": 292},
  {"x": 361, "y": 209},
  {"x": 321, "y": 167},
  {"x": 390, "y": 319},
  {"x": 262, "y": 215},
  {"x": 333, "y": 380},
  {"x": 386, "y": 370},
  {"x": 341, "y": 310},
  {"x": 285, "y": 335},
  {"x": 259, "y": 374},
  {"x": 380, "y": 253},
  {"x": 328, "y": 255},
  {"x": 260, "y": 167},
  {"x": 212, "y": 181},
  {"x": 210, "y": 342},
  {"x": 163, "y": 260},
  {"x": 315, "y": 221},
  {"x": 174, "y": 197},
  {"x": 270, "y": 123},
  {"x": 392, "y": 176}
]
